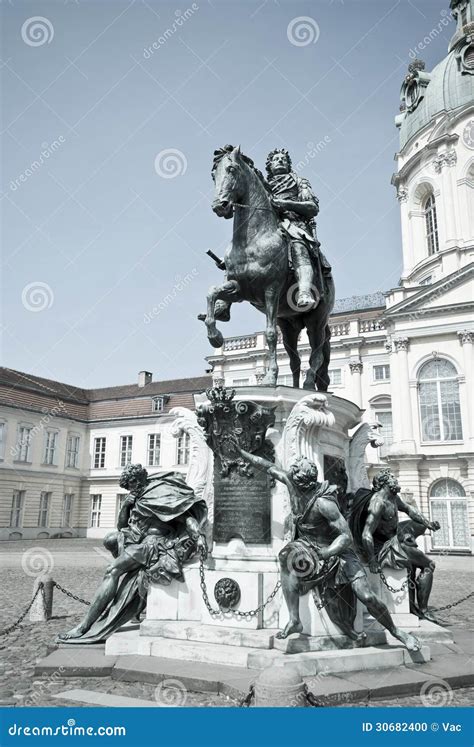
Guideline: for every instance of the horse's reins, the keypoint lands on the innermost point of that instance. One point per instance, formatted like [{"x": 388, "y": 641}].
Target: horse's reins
[{"x": 251, "y": 207}]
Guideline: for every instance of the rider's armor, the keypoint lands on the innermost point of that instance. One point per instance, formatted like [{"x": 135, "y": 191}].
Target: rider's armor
[{"x": 306, "y": 259}]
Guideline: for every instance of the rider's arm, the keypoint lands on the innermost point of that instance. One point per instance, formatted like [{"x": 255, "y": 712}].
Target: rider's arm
[
  {"x": 371, "y": 524},
  {"x": 337, "y": 522},
  {"x": 307, "y": 204}
]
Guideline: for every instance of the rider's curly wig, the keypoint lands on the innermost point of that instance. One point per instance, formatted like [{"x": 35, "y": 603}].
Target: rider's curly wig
[
  {"x": 268, "y": 162},
  {"x": 133, "y": 472},
  {"x": 384, "y": 477}
]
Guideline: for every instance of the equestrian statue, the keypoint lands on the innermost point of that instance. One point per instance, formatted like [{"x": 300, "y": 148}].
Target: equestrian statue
[{"x": 274, "y": 261}]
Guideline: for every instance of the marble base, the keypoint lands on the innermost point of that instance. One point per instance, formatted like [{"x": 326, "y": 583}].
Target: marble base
[{"x": 256, "y": 649}]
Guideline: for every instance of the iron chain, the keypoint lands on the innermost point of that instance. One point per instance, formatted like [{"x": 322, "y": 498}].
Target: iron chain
[
  {"x": 237, "y": 613},
  {"x": 245, "y": 702},
  {"x": 312, "y": 700},
  {"x": 70, "y": 594},
  {"x": 407, "y": 583},
  {"x": 453, "y": 604},
  {"x": 18, "y": 622}
]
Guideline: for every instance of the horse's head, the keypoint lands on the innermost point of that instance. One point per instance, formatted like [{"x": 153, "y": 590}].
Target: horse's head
[{"x": 228, "y": 176}]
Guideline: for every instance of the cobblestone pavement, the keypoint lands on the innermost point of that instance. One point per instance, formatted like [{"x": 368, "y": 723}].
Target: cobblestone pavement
[{"x": 79, "y": 567}]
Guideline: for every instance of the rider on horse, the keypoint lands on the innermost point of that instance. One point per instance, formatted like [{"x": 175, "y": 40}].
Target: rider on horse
[{"x": 297, "y": 206}]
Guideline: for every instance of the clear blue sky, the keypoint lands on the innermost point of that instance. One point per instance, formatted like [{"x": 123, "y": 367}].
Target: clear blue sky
[{"x": 98, "y": 237}]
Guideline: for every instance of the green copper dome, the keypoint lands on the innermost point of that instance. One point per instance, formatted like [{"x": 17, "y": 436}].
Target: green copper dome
[
  {"x": 450, "y": 85},
  {"x": 447, "y": 90}
]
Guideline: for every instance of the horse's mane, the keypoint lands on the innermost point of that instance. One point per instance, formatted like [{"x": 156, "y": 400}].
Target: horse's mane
[{"x": 225, "y": 151}]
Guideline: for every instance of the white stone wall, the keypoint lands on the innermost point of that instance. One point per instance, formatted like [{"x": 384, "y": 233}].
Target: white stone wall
[{"x": 35, "y": 477}]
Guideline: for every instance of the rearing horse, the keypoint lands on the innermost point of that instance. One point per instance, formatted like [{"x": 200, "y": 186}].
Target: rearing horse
[{"x": 258, "y": 270}]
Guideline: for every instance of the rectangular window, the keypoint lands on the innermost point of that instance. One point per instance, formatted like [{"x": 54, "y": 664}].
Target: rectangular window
[
  {"x": 72, "y": 451},
  {"x": 2, "y": 439},
  {"x": 125, "y": 450},
  {"x": 43, "y": 514},
  {"x": 99, "y": 452},
  {"x": 240, "y": 382},
  {"x": 384, "y": 417},
  {"x": 68, "y": 502},
  {"x": 154, "y": 449},
  {"x": 335, "y": 377},
  {"x": 157, "y": 404},
  {"x": 382, "y": 372},
  {"x": 427, "y": 281},
  {"x": 50, "y": 447},
  {"x": 285, "y": 380},
  {"x": 16, "y": 513},
  {"x": 23, "y": 444},
  {"x": 96, "y": 505},
  {"x": 182, "y": 456}
]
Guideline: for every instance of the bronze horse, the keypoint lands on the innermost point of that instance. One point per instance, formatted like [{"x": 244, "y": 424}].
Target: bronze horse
[{"x": 258, "y": 270}]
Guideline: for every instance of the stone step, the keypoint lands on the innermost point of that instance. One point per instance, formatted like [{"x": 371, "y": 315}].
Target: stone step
[
  {"x": 224, "y": 636},
  {"x": 308, "y": 663}
]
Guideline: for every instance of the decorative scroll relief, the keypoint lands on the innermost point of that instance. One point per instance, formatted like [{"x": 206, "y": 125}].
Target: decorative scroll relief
[
  {"x": 199, "y": 475},
  {"x": 301, "y": 428},
  {"x": 366, "y": 433}
]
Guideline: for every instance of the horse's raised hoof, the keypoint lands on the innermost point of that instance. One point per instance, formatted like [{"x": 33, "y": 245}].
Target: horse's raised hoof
[{"x": 216, "y": 339}]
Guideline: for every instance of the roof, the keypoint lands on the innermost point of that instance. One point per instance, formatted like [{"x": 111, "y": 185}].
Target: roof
[
  {"x": 20, "y": 380},
  {"x": 172, "y": 386},
  {"x": 359, "y": 303},
  {"x": 447, "y": 91}
]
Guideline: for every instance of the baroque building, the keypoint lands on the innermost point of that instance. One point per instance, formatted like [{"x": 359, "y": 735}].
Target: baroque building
[
  {"x": 406, "y": 355},
  {"x": 62, "y": 449}
]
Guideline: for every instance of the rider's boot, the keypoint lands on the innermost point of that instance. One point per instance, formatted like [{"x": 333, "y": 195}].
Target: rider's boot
[{"x": 307, "y": 297}]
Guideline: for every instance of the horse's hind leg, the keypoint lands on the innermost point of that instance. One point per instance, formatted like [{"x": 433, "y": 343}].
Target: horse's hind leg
[
  {"x": 271, "y": 334},
  {"x": 290, "y": 333},
  {"x": 317, "y": 341},
  {"x": 229, "y": 292},
  {"x": 322, "y": 375}
]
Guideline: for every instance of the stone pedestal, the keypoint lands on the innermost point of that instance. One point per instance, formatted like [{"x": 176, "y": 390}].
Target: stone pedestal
[{"x": 178, "y": 624}]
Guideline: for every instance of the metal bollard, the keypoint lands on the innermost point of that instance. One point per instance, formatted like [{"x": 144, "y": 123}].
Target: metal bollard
[
  {"x": 281, "y": 687},
  {"x": 42, "y": 607}
]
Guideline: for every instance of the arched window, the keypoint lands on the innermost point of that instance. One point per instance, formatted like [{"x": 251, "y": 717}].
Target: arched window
[
  {"x": 440, "y": 411},
  {"x": 448, "y": 505},
  {"x": 431, "y": 224}
]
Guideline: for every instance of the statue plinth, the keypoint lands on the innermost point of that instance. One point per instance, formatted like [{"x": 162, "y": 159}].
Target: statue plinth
[{"x": 178, "y": 621}]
